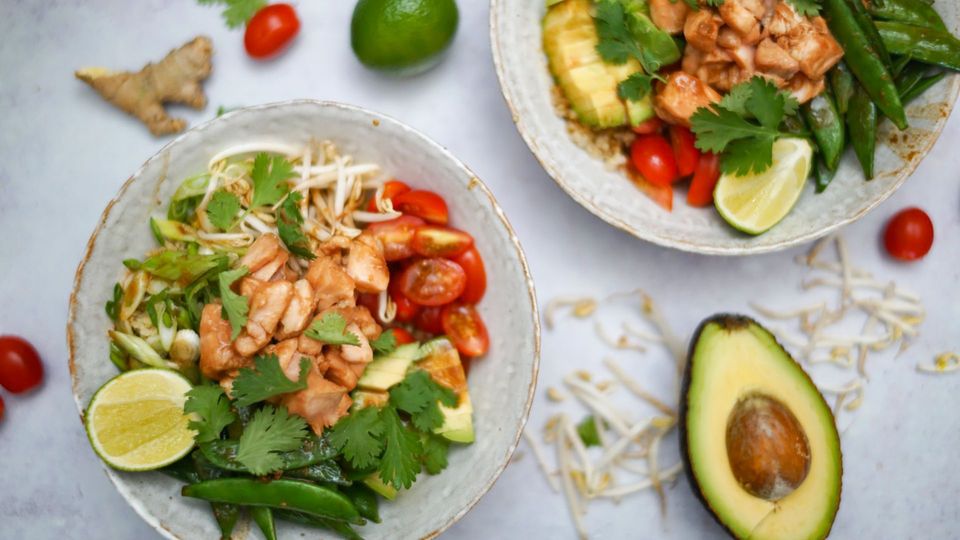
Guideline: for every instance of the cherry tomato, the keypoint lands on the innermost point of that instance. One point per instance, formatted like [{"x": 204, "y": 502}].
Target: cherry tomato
[
  {"x": 390, "y": 190},
  {"x": 433, "y": 282},
  {"x": 406, "y": 309},
  {"x": 472, "y": 264},
  {"x": 684, "y": 150},
  {"x": 465, "y": 328},
  {"x": 396, "y": 235},
  {"x": 402, "y": 336},
  {"x": 653, "y": 125},
  {"x": 653, "y": 157},
  {"x": 270, "y": 30},
  {"x": 662, "y": 195},
  {"x": 2, "y": 407},
  {"x": 428, "y": 320},
  {"x": 465, "y": 361},
  {"x": 424, "y": 204},
  {"x": 434, "y": 241},
  {"x": 909, "y": 235},
  {"x": 20, "y": 367},
  {"x": 372, "y": 303},
  {"x": 704, "y": 180}
]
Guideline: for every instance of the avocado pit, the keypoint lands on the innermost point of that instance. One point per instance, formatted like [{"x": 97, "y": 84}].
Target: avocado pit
[{"x": 767, "y": 447}]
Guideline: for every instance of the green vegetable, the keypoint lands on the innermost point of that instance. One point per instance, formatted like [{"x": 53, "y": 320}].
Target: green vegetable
[
  {"x": 822, "y": 175},
  {"x": 270, "y": 431},
  {"x": 112, "y": 307},
  {"x": 862, "y": 124},
  {"x": 138, "y": 348},
  {"x": 331, "y": 329},
  {"x": 435, "y": 454},
  {"x": 222, "y": 209},
  {"x": 400, "y": 462},
  {"x": 289, "y": 223},
  {"x": 211, "y": 408},
  {"x": 625, "y": 31},
  {"x": 910, "y": 76},
  {"x": 326, "y": 471},
  {"x": 807, "y": 8},
  {"x": 419, "y": 396},
  {"x": 340, "y": 528},
  {"x": 843, "y": 85},
  {"x": 182, "y": 470},
  {"x": 357, "y": 436},
  {"x": 265, "y": 380},
  {"x": 235, "y": 306},
  {"x": 636, "y": 86},
  {"x": 118, "y": 357},
  {"x": 180, "y": 266},
  {"x": 263, "y": 517},
  {"x": 924, "y": 44},
  {"x": 869, "y": 28},
  {"x": 312, "y": 450},
  {"x": 283, "y": 494},
  {"x": 365, "y": 500},
  {"x": 914, "y": 12},
  {"x": 922, "y": 86},
  {"x": 587, "y": 430},
  {"x": 827, "y": 126},
  {"x": 269, "y": 175},
  {"x": 225, "y": 514},
  {"x": 385, "y": 343},
  {"x": 865, "y": 59},
  {"x": 236, "y": 13}
]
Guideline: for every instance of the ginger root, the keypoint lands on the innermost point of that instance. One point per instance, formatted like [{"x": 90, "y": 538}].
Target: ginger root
[{"x": 175, "y": 79}]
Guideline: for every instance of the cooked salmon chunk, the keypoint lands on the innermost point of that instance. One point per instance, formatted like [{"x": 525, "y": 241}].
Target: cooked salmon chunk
[
  {"x": 299, "y": 310},
  {"x": 217, "y": 357},
  {"x": 263, "y": 250},
  {"x": 267, "y": 306},
  {"x": 366, "y": 265},
  {"x": 669, "y": 15},
  {"x": 321, "y": 403},
  {"x": 331, "y": 283},
  {"x": 681, "y": 96}
]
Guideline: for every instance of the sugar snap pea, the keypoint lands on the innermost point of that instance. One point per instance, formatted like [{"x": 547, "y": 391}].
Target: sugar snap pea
[
  {"x": 263, "y": 517},
  {"x": 862, "y": 125},
  {"x": 325, "y": 471},
  {"x": 365, "y": 500},
  {"x": 827, "y": 126},
  {"x": 922, "y": 86},
  {"x": 924, "y": 44},
  {"x": 284, "y": 494},
  {"x": 907, "y": 11},
  {"x": 338, "y": 527},
  {"x": 225, "y": 514},
  {"x": 842, "y": 84},
  {"x": 869, "y": 28},
  {"x": 822, "y": 175}
]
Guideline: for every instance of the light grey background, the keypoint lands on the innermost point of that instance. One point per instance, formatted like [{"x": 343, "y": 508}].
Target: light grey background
[{"x": 64, "y": 153}]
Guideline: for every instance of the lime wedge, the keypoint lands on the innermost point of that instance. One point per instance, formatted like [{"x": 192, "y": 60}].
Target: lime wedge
[
  {"x": 136, "y": 422},
  {"x": 756, "y": 202}
]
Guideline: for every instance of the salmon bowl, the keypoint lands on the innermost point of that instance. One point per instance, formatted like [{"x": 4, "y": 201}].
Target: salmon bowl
[
  {"x": 263, "y": 244},
  {"x": 590, "y": 144}
]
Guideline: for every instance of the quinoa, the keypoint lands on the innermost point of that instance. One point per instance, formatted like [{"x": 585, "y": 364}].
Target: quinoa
[{"x": 608, "y": 145}]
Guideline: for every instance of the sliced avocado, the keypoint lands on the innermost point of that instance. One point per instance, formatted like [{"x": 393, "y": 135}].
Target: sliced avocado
[
  {"x": 369, "y": 398},
  {"x": 442, "y": 362},
  {"x": 458, "y": 422},
  {"x": 385, "y": 490},
  {"x": 759, "y": 442},
  {"x": 174, "y": 230},
  {"x": 638, "y": 111},
  {"x": 387, "y": 370}
]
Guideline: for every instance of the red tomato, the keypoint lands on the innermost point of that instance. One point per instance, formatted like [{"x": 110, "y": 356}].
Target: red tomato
[
  {"x": 396, "y": 235},
  {"x": 425, "y": 204},
  {"x": 270, "y": 30},
  {"x": 909, "y": 235},
  {"x": 684, "y": 150},
  {"x": 433, "y": 282},
  {"x": 434, "y": 241},
  {"x": 652, "y": 125},
  {"x": 20, "y": 367},
  {"x": 662, "y": 195},
  {"x": 390, "y": 190},
  {"x": 428, "y": 320},
  {"x": 465, "y": 328},
  {"x": 406, "y": 309},
  {"x": 1, "y": 408},
  {"x": 371, "y": 302},
  {"x": 653, "y": 157},
  {"x": 704, "y": 180},
  {"x": 472, "y": 264},
  {"x": 402, "y": 336}
]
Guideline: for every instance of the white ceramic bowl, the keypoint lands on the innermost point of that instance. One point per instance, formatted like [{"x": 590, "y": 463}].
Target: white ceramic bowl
[
  {"x": 515, "y": 34},
  {"x": 501, "y": 384}
]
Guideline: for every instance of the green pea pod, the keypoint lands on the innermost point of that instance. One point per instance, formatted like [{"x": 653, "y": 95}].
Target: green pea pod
[
  {"x": 842, "y": 84},
  {"x": 907, "y": 11},
  {"x": 864, "y": 60},
  {"x": 225, "y": 514},
  {"x": 183, "y": 470},
  {"x": 286, "y": 494},
  {"x": 222, "y": 453},
  {"x": 326, "y": 471},
  {"x": 365, "y": 500},
  {"x": 338, "y": 527},
  {"x": 822, "y": 175},
  {"x": 263, "y": 517},
  {"x": 924, "y": 44},
  {"x": 869, "y": 28},
  {"x": 862, "y": 124},
  {"x": 899, "y": 63},
  {"x": 922, "y": 86},
  {"x": 826, "y": 124},
  {"x": 910, "y": 76}
]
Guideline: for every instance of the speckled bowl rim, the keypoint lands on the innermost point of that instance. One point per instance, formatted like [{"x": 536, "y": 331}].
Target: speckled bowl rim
[
  {"x": 475, "y": 182},
  {"x": 908, "y": 168}
]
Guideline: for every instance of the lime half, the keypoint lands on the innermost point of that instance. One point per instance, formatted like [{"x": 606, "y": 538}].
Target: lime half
[
  {"x": 403, "y": 36},
  {"x": 136, "y": 422},
  {"x": 756, "y": 202}
]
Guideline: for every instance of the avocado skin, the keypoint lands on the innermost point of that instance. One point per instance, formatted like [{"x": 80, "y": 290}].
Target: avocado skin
[{"x": 728, "y": 321}]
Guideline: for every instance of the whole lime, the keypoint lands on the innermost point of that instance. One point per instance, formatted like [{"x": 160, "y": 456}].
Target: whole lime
[{"x": 404, "y": 36}]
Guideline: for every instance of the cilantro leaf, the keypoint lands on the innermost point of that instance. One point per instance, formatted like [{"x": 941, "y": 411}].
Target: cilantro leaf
[
  {"x": 211, "y": 404},
  {"x": 717, "y": 128},
  {"x": 807, "y": 8},
  {"x": 271, "y": 430},
  {"x": 222, "y": 209},
  {"x": 419, "y": 396},
  {"x": 181, "y": 266},
  {"x": 386, "y": 343},
  {"x": 616, "y": 44},
  {"x": 435, "y": 454},
  {"x": 400, "y": 462},
  {"x": 357, "y": 436},
  {"x": 745, "y": 156},
  {"x": 636, "y": 86},
  {"x": 587, "y": 430},
  {"x": 265, "y": 380},
  {"x": 269, "y": 176},
  {"x": 289, "y": 223},
  {"x": 736, "y": 99},
  {"x": 766, "y": 102},
  {"x": 332, "y": 330},
  {"x": 235, "y": 307},
  {"x": 237, "y": 12}
]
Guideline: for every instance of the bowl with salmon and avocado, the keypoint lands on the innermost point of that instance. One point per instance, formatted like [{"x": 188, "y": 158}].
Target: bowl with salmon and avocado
[
  {"x": 731, "y": 126},
  {"x": 304, "y": 318}
]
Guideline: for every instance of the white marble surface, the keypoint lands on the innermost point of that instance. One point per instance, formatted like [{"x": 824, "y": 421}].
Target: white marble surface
[{"x": 64, "y": 153}]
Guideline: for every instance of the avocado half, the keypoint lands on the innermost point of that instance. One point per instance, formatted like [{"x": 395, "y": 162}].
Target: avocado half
[{"x": 759, "y": 442}]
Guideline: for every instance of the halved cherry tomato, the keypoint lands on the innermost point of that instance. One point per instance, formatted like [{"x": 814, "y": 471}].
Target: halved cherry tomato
[
  {"x": 390, "y": 190},
  {"x": 684, "y": 150},
  {"x": 428, "y": 320},
  {"x": 472, "y": 264},
  {"x": 653, "y": 157},
  {"x": 662, "y": 195},
  {"x": 465, "y": 361},
  {"x": 424, "y": 204},
  {"x": 406, "y": 309},
  {"x": 396, "y": 235},
  {"x": 909, "y": 235},
  {"x": 371, "y": 302},
  {"x": 652, "y": 125},
  {"x": 433, "y": 282},
  {"x": 20, "y": 367},
  {"x": 704, "y": 180},
  {"x": 463, "y": 325},
  {"x": 434, "y": 241},
  {"x": 402, "y": 336},
  {"x": 270, "y": 30}
]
